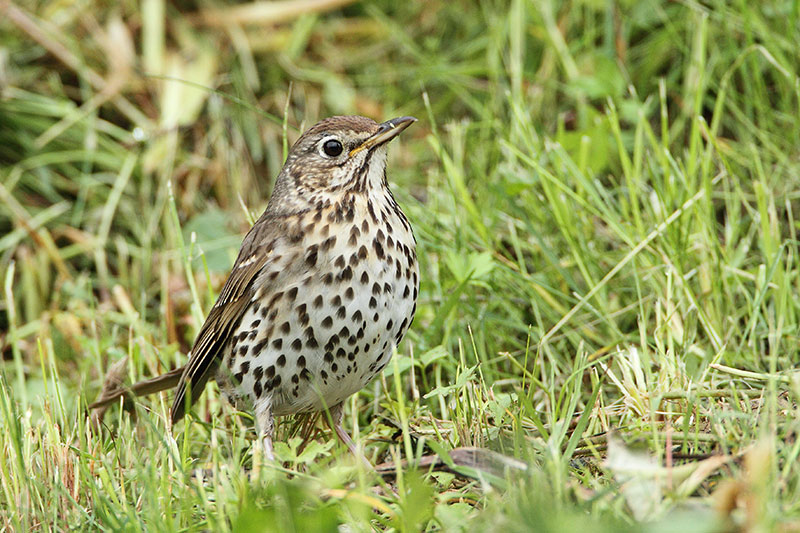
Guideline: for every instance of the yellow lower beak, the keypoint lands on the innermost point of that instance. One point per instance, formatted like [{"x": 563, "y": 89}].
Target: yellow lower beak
[{"x": 386, "y": 132}]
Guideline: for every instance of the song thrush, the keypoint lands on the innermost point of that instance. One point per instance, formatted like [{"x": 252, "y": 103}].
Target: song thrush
[{"x": 323, "y": 289}]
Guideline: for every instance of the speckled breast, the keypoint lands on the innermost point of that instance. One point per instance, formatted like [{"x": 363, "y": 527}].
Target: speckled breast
[{"x": 335, "y": 299}]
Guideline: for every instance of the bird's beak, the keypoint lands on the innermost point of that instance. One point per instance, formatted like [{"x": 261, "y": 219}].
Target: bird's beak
[{"x": 386, "y": 132}]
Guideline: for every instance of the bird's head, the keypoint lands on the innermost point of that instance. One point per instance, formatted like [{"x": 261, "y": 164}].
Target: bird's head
[{"x": 336, "y": 155}]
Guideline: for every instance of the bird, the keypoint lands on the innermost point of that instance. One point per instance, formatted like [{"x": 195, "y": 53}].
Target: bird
[{"x": 322, "y": 291}]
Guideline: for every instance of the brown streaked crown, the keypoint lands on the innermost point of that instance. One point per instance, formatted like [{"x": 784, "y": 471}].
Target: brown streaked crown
[
  {"x": 310, "y": 178},
  {"x": 354, "y": 123}
]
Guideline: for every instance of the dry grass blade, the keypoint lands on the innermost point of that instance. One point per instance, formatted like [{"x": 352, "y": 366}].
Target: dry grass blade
[
  {"x": 265, "y": 13},
  {"x": 473, "y": 461}
]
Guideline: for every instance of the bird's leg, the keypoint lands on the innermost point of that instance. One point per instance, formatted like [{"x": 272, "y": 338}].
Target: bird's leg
[
  {"x": 265, "y": 424},
  {"x": 335, "y": 423}
]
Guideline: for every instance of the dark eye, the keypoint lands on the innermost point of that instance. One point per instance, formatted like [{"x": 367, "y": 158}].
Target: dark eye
[{"x": 332, "y": 148}]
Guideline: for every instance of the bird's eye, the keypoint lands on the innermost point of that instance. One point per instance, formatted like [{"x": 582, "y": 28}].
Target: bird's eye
[{"x": 332, "y": 148}]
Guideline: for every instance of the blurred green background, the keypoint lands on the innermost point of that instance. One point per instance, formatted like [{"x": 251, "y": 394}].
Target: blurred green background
[{"x": 603, "y": 193}]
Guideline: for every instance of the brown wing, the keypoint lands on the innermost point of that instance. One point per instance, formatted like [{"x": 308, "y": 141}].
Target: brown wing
[{"x": 226, "y": 314}]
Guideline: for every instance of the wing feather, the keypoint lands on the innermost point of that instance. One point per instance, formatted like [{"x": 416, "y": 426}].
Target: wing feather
[{"x": 224, "y": 318}]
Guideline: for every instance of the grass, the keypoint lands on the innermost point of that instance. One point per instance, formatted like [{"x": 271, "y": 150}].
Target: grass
[{"x": 604, "y": 198}]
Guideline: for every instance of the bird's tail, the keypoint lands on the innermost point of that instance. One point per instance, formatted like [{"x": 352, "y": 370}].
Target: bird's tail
[{"x": 148, "y": 386}]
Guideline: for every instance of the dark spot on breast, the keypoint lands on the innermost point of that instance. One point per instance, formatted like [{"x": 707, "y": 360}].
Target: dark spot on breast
[
  {"x": 327, "y": 279},
  {"x": 281, "y": 360},
  {"x": 354, "y": 234},
  {"x": 277, "y": 343},
  {"x": 291, "y": 294},
  {"x": 270, "y": 371},
  {"x": 328, "y": 243},
  {"x": 378, "y": 248},
  {"x": 259, "y": 347},
  {"x": 364, "y": 278},
  {"x": 311, "y": 255},
  {"x": 311, "y": 340},
  {"x": 339, "y": 263},
  {"x": 362, "y": 252},
  {"x": 297, "y": 345},
  {"x": 317, "y": 301},
  {"x": 373, "y": 303},
  {"x": 349, "y": 293},
  {"x": 341, "y": 353},
  {"x": 244, "y": 368},
  {"x": 341, "y": 312},
  {"x": 347, "y": 274},
  {"x": 333, "y": 341},
  {"x": 286, "y": 327},
  {"x": 327, "y": 322},
  {"x": 357, "y": 316}
]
